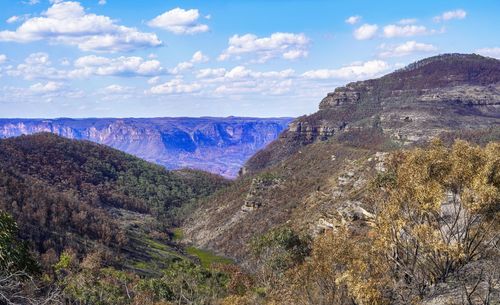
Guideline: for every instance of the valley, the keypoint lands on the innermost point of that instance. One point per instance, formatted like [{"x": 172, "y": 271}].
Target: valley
[
  {"x": 388, "y": 194},
  {"x": 217, "y": 145}
]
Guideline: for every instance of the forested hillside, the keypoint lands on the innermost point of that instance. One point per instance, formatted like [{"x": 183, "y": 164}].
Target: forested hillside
[{"x": 63, "y": 192}]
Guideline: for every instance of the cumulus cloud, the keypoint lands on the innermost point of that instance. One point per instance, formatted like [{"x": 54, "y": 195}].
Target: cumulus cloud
[
  {"x": 154, "y": 80},
  {"x": 175, "y": 86},
  {"x": 241, "y": 73},
  {"x": 179, "y": 21},
  {"x": 449, "y": 15},
  {"x": 285, "y": 45},
  {"x": 405, "y": 49},
  {"x": 198, "y": 57},
  {"x": 366, "y": 31},
  {"x": 353, "y": 19},
  {"x": 393, "y": 30},
  {"x": 116, "y": 89},
  {"x": 490, "y": 52},
  {"x": 3, "y": 58},
  {"x": 120, "y": 66},
  {"x": 408, "y": 21},
  {"x": 208, "y": 73},
  {"x": 241, "y": 80},
  {"x": 12, "y": 19},
  {"x": 40, "y": 92},
  {"x": 66, "y": 22},
  {"x": 39, "y": 66},
  {"x": 117, "y": 92},
  {"x": 47, "y": 87},
  {"x": 357, "y": 71}
]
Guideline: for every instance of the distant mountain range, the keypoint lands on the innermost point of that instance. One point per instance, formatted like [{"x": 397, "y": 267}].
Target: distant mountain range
[{"x": 217, "y": 145}]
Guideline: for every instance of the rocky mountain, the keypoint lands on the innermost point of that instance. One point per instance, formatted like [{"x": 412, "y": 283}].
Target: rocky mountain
[
  {"x": 315, "y": 175},
  {"x": 413, "y": 104},
  {"x": 217, "y": 145}
]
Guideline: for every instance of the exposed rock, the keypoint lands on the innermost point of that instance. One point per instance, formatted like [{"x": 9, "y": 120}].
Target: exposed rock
[
  {"x": 218, "y": 145},
  {"x": 411, "y": 105},
  {"x": 259, "y": 187},
  {"x": 340, "y": 97}
]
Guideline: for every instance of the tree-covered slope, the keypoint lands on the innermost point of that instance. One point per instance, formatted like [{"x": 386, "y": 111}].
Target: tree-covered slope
[{"x": 76, "y": 194}]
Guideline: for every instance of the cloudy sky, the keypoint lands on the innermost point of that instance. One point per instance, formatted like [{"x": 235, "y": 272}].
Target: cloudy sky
[{"x": 150, "y": 58}]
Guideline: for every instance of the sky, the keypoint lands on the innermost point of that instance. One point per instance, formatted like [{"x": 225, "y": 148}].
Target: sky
[{"x": 260, "y": 58}]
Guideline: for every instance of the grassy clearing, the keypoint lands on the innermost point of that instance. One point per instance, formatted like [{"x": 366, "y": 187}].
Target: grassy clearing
[{"x": 207, "y": 258}]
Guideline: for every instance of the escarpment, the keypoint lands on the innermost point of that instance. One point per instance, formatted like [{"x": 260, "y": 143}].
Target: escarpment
[{"x": 325, "y": 160}]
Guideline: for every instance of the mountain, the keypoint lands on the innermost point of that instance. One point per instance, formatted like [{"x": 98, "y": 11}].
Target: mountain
[
  {"x": 71, "y": 194},
  {"x": 413, "y": 104},
  {"x": 217, "y": 145},
  {"x": 314, "y": 176}
]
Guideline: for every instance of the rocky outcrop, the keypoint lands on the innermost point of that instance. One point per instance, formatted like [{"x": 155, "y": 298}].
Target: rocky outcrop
[
  {"x": 413, "y": 104},
  {"x": 340, "y": 97},
  {"x": 218, "y": 145},
  {"x": 259, "y": 187}
]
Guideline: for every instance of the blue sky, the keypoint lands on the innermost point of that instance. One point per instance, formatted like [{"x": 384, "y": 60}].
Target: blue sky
[{"x": 150, "y": 58}]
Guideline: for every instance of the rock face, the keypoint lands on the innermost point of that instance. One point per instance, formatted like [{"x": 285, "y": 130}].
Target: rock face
[
  {"x": 325, "y": 161},
  {"x": 217, "y": 145},
  {"x": 446, "y": 92}
]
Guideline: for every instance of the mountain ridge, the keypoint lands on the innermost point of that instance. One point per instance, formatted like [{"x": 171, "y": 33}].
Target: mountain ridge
[
  {"x": 314, "y": 175},
  {"x": 409, "y": 104},
  {"x": 218, "y": 145}
]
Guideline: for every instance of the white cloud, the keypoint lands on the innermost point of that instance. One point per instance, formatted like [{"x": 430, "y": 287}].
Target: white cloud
[
  {"x": 449, "y": 15},
  {"x": 490, "y": 52},
  {"x": 102, "y": 2},
  {"x": 13, "y": 19},
  {"x": 356, "y": 71},
  {"x": 198, "y": 56},
  {"x": 295, "y": 54},
  {"x": 393, "y": 30},
  {"x": 353, "y": 19},
  {"x": 175, "y": 86},
  {"x": 366, "y": 31},
  {"x": 66, "y": 22},
  {"x": 406, "y": 48},
  {"x": 3, "y": 58},
  {"x": 241, "y": 80},
  {"x": 182, "y": 66},
  {"x": 242, "y": 73},
  {"x": 207, "y": 73},
  {"x": 120, "y": 66},
  {"x": 116, "y": 89},
  {"x": 40, "y": 93},
  {"x": 408, "y": 21},
  {"x": 285, "y": 45},
  {"x": 179, "y": 21},
  {"x": 46, "y": 88},
  {"x": 154, "y": 80},
  {"x": 39, "y": 66}
]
